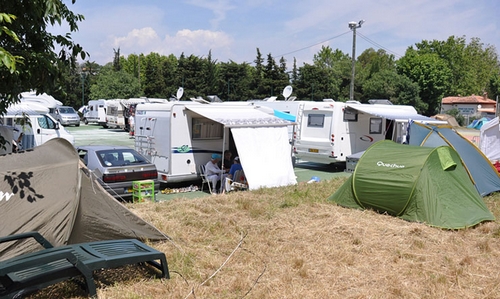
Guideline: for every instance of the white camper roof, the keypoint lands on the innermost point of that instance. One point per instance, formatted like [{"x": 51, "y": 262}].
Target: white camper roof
[
  {"x": 44, "y": 99},
  {"x": 30, "y": 109},
  {"x": 238, "y": 116},
  {"x": 390, "y": 111}
]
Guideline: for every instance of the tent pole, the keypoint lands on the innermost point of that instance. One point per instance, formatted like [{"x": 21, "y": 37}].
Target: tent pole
[{"x": 222, "y": 159}]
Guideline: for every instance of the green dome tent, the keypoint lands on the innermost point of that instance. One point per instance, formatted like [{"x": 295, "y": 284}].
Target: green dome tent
[{"x": 415, "y": 183}]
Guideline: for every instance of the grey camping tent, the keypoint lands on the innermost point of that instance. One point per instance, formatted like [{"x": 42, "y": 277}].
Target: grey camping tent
[
  {"x": 484, "y": 175},
  {"x": 49, "y": 190}
]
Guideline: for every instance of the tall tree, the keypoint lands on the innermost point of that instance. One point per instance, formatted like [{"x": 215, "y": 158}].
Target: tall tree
[
  {"x": 38, "y": 66},
  {"x": 257, "y": 85},
  {"x": 431, "y": 73},
  {"x": 337, "y": 67},
  {"x": 110, "y": 84},
  {"x": 472, "y": 65}
]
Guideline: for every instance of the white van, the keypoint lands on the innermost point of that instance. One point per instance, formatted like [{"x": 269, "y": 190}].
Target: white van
[
  {"x": 96, "y": 113},
  {"x": 41, "y": 127},
  {"x": 66, "y": 116}
]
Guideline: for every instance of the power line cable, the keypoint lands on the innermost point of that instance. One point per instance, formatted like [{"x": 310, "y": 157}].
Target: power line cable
[
  {"x": 377, "y": 44},
  {"x": 311, "y": 45}
]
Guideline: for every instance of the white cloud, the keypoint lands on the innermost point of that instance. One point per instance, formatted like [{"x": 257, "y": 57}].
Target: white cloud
[
  {"x": 218, "y": 7},
  {"x": 197, "y": 42}
]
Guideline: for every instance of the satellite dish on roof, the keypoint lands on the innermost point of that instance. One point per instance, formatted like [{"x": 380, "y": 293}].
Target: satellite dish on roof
[
  {"x": 179, "y": 94},
  {"x": 287, "y": 91}
]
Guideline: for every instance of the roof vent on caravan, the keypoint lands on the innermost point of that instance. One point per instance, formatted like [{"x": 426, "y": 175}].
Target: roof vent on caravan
[
  {"x": 380, "y": 101},
  {"x": 214, "y": 99}
]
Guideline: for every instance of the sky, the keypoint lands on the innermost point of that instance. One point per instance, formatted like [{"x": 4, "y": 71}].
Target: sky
[{"x": 233, "y": 30}]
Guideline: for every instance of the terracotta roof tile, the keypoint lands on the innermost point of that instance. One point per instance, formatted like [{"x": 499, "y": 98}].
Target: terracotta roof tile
[{"x": 473, "y": 99}]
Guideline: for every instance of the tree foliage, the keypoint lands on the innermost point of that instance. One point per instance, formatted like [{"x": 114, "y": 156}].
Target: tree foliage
[
  {"x": 111, "y": 84},
  {"x": 38, "y": 66}
]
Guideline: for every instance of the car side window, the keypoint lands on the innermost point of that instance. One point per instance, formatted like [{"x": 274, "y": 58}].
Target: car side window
[{"x": 83, "y": 156}]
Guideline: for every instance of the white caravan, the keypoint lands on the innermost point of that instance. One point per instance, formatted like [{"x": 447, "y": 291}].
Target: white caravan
[
  {"x": 96, "y": 113},
  {"x": 181, "y": 136},
  {"x": 114, "y": 114},
  {"x": 41, "y": 127},
  {"x": 327, "y": 132}
]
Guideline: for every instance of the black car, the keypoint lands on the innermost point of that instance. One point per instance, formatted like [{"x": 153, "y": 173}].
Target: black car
[{"x": 117, "y": 167}]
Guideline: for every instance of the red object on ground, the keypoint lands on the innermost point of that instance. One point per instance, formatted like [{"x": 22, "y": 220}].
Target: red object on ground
[{"x": 497, "y": 166}]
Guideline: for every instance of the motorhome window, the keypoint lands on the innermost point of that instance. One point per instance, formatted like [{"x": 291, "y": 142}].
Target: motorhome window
[
  {"x": 375, "y": 126},
  {"x": 206, "y": 129},
  {"x": 350, "y": 115},
  {"x": 7, "y": 121},
  {"x": 316, "y": 120},
  {"x": 113, "y": 111}
]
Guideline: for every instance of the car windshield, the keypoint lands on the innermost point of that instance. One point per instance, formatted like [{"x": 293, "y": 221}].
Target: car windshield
[
  {"x": 67, "y": 110},
  {"x": 120, "y": 157}
]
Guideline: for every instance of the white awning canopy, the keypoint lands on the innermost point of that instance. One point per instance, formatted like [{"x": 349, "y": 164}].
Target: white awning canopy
[
  {"x": 261, "y": 140},
  {"x": 394, "y": 112},
  {"x": 238, "y": 116}
]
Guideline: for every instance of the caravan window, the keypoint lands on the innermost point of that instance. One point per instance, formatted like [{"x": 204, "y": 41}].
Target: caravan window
[
  {"x": 316, "y": 120},
  {"x": 375, "y": 126},
  {"x": 350, "y": 115},
  {"x": 206, "y": 129}
]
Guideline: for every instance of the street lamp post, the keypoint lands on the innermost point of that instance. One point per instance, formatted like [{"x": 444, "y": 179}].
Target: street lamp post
[
  {"x": 353, "y": 26},
  {"x": 83, "y": 74}
]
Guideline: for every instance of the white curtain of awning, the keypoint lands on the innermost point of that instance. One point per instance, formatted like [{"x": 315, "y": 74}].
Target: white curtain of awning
[{"x": 265, "y": 155}]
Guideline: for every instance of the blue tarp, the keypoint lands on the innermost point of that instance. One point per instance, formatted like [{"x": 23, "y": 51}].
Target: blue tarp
[
  {"x": 284, "y": 115},
  {"x": 485, "y": 177},
  {"x": 478, "y": 123}
]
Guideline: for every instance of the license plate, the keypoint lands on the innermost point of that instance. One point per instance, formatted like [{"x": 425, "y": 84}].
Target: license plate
[{"x": 313, "y": 150}]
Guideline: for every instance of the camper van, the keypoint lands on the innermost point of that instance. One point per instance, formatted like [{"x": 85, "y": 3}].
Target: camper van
[
  {"x": 114, "y": 114},
  {"x": 33, "y": 125},
  {"x": 66, "y": 116},
  {"x": 180, "y": 136},
  {"x": 329, "y": 131},
  {"x": 45, "y": 100},
  {"x": 96, "y": 113}
]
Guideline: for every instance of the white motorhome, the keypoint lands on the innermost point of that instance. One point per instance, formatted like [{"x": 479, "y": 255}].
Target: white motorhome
[
  {"x": 181, "y": 136},
  {"x": 96, "y": 113},
  {"x": 114, "y": 114},
  {"x": 33, "y": 125},
  {"x": 42, "y": 99},
  {"x": 327, "y": 132}
]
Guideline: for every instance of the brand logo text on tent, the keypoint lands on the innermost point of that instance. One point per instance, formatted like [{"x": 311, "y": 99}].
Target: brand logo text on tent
[
  {"x": 393, "y": 165},
  {"x": 7, "y": 195}
]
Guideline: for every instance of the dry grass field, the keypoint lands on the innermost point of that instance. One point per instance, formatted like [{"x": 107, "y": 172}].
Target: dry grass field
[{"x": 292, "y": 243}]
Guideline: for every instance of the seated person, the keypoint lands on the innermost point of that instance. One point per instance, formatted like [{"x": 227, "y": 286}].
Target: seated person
[
  {"x": 226, "y": 163},
  {"x": 232, "y": 171},
  {"x": 213, "y": 172},
  {"x": 235, "y": 167}
]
